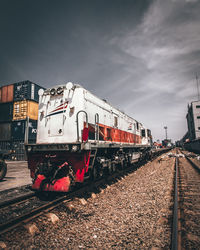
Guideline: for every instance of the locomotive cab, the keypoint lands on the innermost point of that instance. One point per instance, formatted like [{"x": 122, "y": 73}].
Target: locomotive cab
[{"x": 57, "y": 114}]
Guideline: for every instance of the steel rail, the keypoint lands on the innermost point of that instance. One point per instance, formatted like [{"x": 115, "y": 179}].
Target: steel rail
[
  {"x": 174, "y": 245},
  {"x": 16, "y": 200},
  {"x": 176, "y": 225},
  {"x": 193, "y": 164},
  {"x": 19, "y": 220}
]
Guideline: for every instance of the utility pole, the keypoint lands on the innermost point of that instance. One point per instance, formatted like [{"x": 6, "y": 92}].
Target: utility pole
[
  {"x": 165, "y": 131},
  {"x": 197, "y": 87}
]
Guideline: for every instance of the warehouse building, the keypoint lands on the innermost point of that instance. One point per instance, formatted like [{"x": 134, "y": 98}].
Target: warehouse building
[{"x": 193, "y": 120}]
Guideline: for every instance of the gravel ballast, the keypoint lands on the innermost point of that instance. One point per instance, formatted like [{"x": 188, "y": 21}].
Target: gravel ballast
[{"x": 134, "y": 212}]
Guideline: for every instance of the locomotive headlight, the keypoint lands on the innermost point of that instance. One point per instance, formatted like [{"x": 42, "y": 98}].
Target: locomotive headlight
[
  {"x": 69, "y": 85},
  {"x": 53, "y": 91},
  {"x": 29, "y": 148},
  {"x": 59, "y": 90},
  {"x": 41, "y": 92}
]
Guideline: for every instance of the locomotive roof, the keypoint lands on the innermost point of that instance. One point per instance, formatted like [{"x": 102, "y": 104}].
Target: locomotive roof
[{"x": 75, "y": 85}]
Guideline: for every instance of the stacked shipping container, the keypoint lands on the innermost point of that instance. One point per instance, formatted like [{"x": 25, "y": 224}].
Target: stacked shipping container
[
  {"x": 18, "y": 116},
  {"x": 6, "y": 93},
  {"x": 6, "y": 116},
  {"x": 24, "y": 109}
]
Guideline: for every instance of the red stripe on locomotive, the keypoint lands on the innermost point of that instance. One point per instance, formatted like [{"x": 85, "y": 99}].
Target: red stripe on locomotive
[{"x": 107, "y": 133}]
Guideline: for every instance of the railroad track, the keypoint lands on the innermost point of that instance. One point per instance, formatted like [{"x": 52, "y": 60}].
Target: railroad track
[
  {"x": 16, "y": 199},
  {"x": 186, "y": 214},
  {"x": 23, "y": 208},
  {"x": 15, "y": 212}
]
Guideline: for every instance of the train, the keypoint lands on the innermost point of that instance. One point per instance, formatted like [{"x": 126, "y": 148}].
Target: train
[{"x": 81, "y": 137}]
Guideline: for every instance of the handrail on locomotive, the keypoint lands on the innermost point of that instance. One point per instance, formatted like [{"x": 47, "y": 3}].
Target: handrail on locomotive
[
  {"x": 97, "y": 127},
  {"x": 77, "y": 122}
]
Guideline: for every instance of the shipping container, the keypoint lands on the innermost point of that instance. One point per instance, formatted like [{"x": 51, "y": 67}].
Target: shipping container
[
  {"x": 6, "y": 94},
  {"x": 5, "y": 145},
  {"x": 18, "y": 147},
  {"x": 6, "y": 112},
  {"x": 24, "y": 109},
  {"x": 23, "y": 129},
  {"x": 18, "y": 157},
  {"x": 5, "y": 131},
  {"x": 26, "y": 90},
  {"x": 18, "y": 150}
]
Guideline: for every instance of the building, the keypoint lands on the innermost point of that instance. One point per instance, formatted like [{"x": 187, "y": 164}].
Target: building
[{"x": 193, "y": 120}]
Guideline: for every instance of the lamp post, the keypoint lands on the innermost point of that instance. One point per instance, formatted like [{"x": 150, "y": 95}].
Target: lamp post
[{"x": 165, "y": 131}]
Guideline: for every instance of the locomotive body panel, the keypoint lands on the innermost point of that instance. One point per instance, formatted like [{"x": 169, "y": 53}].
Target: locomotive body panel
[
  {"x": 58, "y": 121},
  {"x": 114, "y": 126}
]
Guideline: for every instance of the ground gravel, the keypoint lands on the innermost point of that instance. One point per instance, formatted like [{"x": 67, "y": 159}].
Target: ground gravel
[{"x": 132, "y": 213}]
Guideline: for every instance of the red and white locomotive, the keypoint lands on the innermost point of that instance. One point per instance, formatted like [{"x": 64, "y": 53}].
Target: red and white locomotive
[{"x": 81, "y": 136}]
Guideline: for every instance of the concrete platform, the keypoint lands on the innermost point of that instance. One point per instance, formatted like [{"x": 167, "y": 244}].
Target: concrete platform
[{"x": 17, "y": 175}]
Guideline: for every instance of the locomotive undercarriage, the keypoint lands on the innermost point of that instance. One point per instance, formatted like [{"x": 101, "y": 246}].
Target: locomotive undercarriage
[
  {"x": 60, "y": 170},
  {"x": 109, "y": 161}
]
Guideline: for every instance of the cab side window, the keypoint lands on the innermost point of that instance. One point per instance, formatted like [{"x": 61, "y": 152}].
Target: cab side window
[
  {"x": 143, "y": 133},
  {"x": 115, "y": 121},
  {"x": 137, "y": 125}
]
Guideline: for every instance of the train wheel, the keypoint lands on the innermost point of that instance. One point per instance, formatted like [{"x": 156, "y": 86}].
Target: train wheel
[{"x": 3, "y": 169}]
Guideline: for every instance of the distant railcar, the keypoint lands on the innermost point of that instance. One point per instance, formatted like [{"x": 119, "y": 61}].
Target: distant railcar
[{"x": 80, "y": 136}]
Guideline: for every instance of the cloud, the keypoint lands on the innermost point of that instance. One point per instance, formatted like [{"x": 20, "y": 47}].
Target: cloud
[
  {"x": 142, "y": 56},
  {"x": 167, "y": 43},
  {"x": 191, "y": 1}
]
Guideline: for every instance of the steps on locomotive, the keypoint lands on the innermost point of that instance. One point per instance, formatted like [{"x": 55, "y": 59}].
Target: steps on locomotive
[{"x": 91, "y": 163}]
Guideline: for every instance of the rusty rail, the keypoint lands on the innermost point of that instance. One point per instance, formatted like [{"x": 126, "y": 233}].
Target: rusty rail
[{"x": 174, "y": 245}]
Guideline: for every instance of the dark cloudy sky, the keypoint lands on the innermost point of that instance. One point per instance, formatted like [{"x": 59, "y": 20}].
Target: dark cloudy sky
[{"x": 140, "y": 55}]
